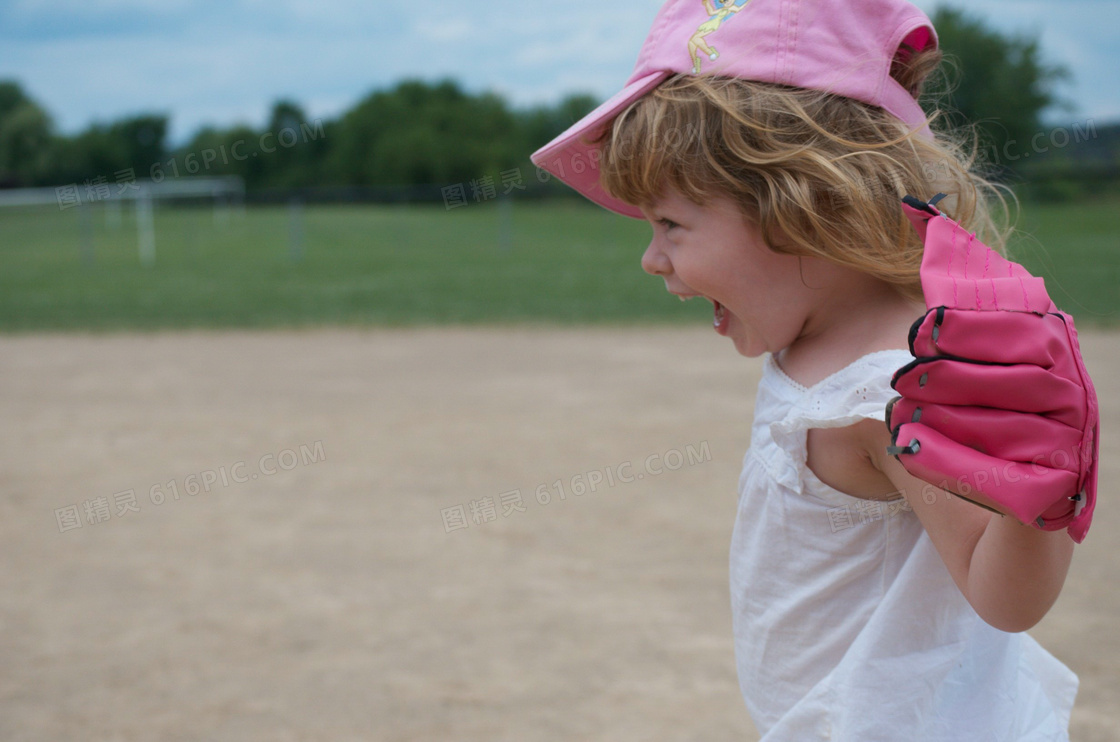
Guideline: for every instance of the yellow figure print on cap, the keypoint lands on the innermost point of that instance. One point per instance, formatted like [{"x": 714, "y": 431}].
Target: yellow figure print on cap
[{"x": 696, "y": 44}]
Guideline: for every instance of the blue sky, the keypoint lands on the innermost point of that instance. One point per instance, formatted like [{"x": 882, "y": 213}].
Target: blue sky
[{"x": 226, "y": 61}]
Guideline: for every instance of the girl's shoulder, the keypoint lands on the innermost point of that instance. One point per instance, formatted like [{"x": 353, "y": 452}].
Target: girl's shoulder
[{"x": 843, "y": 395}]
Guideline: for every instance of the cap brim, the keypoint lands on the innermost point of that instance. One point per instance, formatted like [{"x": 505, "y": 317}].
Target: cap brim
[{"x": 572, "y": 157}]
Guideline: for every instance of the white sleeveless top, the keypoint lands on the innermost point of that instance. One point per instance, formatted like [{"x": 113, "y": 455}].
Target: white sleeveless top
[{"x": 847, "y": 624}]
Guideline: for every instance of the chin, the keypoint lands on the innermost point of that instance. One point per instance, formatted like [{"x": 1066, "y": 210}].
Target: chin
[{"x": 747, "y": 349}]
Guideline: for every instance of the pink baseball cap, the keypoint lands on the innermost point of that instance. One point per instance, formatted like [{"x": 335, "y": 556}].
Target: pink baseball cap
[{"x": 839, "y": 46}]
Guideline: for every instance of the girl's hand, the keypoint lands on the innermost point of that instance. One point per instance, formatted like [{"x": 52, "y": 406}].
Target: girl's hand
[{"x": 997, "y": 406}]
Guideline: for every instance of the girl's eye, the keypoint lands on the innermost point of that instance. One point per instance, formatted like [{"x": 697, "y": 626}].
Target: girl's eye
[{"x": 667, "y": 223}]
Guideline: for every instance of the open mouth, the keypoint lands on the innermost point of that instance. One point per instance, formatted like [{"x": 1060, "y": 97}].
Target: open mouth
[{"x": 720, "y": 316}]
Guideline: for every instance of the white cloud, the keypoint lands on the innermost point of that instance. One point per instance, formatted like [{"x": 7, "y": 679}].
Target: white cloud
[{"x": 220, "y": 62}]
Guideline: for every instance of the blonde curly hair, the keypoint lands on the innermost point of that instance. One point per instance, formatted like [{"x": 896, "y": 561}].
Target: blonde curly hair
[{"x": 825, "y": 172}]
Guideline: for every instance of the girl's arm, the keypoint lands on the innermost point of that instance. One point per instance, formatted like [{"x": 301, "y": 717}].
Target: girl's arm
[{"x": 1010, "y": 573}]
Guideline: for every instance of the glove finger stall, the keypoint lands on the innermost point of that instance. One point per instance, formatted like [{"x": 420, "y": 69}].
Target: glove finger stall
[
  {"x": 993, "y": 337},
  {"x": 1020, "y": 387},
  {"x": 1029, "y": 492},
  {"x": 1003, "y": 434}
]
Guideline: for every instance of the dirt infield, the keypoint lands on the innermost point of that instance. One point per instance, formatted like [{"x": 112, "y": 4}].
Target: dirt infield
[{"x": 390, "y": 535}]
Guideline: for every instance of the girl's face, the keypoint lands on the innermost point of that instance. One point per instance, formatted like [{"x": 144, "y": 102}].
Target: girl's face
[{"x": 760, "y": 298}]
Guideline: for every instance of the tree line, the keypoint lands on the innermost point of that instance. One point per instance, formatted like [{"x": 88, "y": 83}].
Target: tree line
[
  {"x": 436, "y": 133},
  {"x": 413, "y": 133}
]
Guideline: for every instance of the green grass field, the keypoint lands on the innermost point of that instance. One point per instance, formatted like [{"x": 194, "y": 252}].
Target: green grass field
[
  {"x": 1076, "y": 248},
  {"x": 562, "y": 262}
]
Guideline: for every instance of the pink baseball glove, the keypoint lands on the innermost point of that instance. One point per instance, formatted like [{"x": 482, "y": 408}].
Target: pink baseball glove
[{"x": 996, "y": 406}]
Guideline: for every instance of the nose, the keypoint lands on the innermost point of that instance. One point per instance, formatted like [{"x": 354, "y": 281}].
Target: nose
[{"x": 654, "y": 260}]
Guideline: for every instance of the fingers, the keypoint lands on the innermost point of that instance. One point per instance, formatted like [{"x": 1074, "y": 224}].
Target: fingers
[
  {"x": 1023, "y": 388},
  {"x": 993, "y": 337},
  {"x": 1025, "y": 491},
  {"x": 1003, "y": 434}
]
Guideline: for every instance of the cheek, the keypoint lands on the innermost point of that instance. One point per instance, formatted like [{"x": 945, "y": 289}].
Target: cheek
[
  {"x": 768, "y": 291},
  {"x": 775, "y": 275}
]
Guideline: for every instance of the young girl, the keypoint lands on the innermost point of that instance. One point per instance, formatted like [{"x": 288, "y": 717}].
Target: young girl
[{"x": 862, "y": 610}]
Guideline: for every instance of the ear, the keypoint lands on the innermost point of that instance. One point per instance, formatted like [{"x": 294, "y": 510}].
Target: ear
[{"x": 777, "y": 239}]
